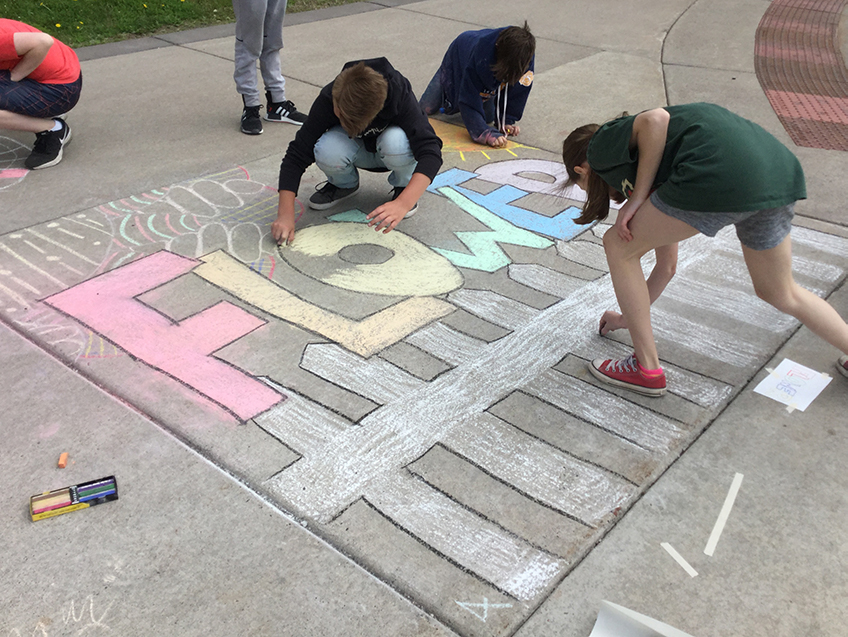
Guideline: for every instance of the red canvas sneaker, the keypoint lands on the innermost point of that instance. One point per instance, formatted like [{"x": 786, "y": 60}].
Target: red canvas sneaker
[
  {"x": 625, "y": 373},
  {"x": 842, "y": 365}
]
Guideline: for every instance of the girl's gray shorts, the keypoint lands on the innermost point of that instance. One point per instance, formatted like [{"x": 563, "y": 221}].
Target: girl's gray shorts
[{"x": 757, "y": 229}]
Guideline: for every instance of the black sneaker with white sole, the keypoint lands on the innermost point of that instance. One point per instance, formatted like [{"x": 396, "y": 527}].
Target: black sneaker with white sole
[
  {"x": 251, "y": 124},
  {"x": 283, "y": 112},
  {"x": 47, "y": 150},
  {"x": 396, "y": 193},
  {"x": 329, "y": 195}
]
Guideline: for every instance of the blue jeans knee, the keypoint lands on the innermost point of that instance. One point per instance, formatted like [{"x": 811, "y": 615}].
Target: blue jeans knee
[
  {"x": 335, "y": 155},
  {"x": 395, "y": 153}
]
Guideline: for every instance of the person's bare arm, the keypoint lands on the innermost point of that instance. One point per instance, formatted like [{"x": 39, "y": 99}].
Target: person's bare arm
[
  {"x": 283, "y": 227},
  {"x": 650, "y": 130},
  {"x": 663, "y": 270},
  {"x": 33, "y": 48},
  {"x": 387, "y": 216}
]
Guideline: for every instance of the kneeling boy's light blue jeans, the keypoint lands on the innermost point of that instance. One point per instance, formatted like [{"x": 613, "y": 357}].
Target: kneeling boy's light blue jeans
[{"x": 339, "y": 156}]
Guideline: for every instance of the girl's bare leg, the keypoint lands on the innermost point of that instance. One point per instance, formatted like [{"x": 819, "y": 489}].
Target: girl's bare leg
[
  {"x": 661, "y": 274},
  {"x": 771, "y": 273},
  {"x": 650, "y": 229}
]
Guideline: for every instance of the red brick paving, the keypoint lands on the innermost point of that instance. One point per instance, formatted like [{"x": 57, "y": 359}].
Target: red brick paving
[{"x": 802, "y": 71}]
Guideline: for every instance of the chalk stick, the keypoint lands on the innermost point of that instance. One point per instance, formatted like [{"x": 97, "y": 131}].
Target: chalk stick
[
  {"x": 99, "y": 494},
  {"x": 63, "y": 460},
  {"x": 49, "y": 497},
  {"x": 55, "y": 500},
  {"x": 95, "y": 483},
  {"x": 53, "y": 503},
  {"x": 56, "y": 505},
  {"x": 88, "y": 494}
]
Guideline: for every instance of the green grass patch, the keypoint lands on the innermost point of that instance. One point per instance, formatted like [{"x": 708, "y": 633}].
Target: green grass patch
[{"x": 84, "y": 22}]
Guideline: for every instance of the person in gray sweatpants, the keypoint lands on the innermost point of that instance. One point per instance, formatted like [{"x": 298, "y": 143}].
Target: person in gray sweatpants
[{"x": 259, "y": 36}]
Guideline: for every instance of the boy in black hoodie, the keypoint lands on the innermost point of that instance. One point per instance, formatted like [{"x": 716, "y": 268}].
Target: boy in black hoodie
[{"x": 369, "y": 118}]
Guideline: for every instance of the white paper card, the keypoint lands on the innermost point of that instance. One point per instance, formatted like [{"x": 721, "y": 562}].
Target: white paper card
[
  {"x": 793, "y": 384},
  {"x": 618, "y": 621}
]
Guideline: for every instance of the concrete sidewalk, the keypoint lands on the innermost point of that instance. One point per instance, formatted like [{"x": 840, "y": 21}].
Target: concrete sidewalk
[{"x": 398, "y": 434}]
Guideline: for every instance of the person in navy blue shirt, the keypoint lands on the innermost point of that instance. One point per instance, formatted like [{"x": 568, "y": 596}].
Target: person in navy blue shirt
[{"x": 486, "y": 76}]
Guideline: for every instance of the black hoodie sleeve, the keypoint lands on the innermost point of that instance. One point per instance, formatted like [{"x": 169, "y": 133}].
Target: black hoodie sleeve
[
  {"x": 425, "y": 144},
  {"x": 301, "y": 151}
]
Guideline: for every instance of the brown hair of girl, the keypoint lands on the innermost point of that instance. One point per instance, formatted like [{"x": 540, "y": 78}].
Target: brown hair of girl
[
  {"x": 574, "y": 152},
  {"x": 514, "y": 49}
]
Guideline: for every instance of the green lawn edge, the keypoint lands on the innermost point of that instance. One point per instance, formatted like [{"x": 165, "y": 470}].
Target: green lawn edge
[{"x": 80, "y": 23}]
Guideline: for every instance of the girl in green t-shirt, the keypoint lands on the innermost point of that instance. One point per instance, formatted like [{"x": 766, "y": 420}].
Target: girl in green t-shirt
[{"x": 682, "y": 170}]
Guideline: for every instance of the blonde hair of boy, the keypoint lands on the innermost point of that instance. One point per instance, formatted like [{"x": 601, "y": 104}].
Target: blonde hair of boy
[{"x": 359, "y": 93}]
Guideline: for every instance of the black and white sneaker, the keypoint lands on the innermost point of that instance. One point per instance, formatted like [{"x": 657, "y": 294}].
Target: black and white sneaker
[
  {"x": 47, "y": 150},
  {"x": 396, "y": 193},
  {"x": 251, "y": 124},
  {"x": 283, "y": 112},
  {"x": 329, "y": 195}
]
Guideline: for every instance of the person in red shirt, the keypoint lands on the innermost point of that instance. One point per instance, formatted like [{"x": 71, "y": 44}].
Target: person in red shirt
[{"x": 40, "y": 81}]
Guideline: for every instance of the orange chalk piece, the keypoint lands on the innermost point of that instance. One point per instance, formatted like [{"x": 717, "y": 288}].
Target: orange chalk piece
[{"x": 63, "y": 460}]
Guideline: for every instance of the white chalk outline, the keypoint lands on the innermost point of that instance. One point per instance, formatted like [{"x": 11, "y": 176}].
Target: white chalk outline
[{"x": 485, "y": 606}]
